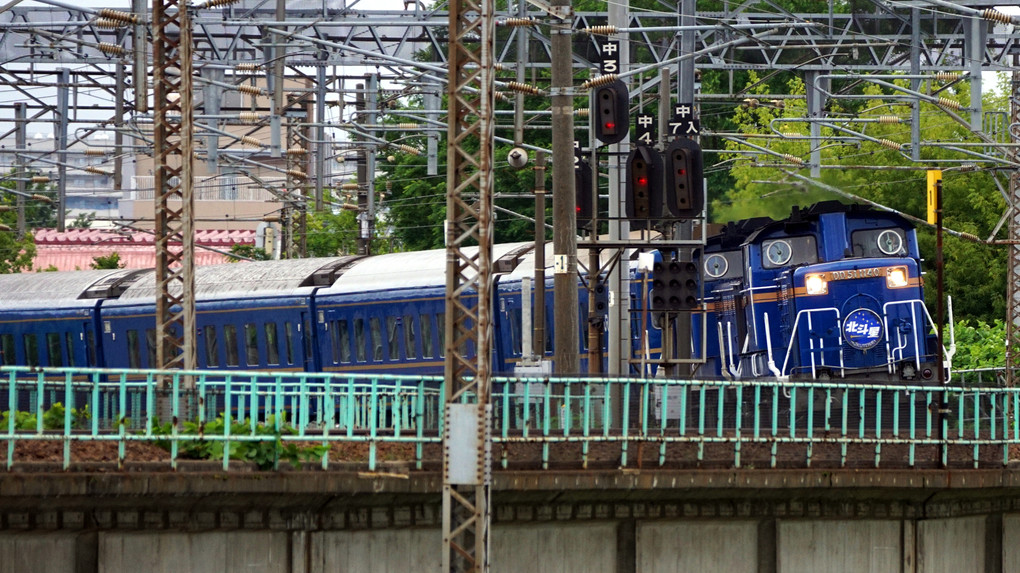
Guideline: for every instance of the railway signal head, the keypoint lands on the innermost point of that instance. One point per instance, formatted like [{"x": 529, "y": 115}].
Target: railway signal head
[
  {"x": 610, "y": 109},
  {"x": 684, "y": 179},
  {"x": 583, "y": 194},
  {"x": 644, "y": 186}
]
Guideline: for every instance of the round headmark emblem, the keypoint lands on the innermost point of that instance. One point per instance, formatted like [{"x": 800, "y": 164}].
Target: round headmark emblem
[{"x": 862, "y": 329}]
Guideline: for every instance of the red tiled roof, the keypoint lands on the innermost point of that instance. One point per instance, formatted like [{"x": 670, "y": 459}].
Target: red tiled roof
[{"x": 75, "y": 249}]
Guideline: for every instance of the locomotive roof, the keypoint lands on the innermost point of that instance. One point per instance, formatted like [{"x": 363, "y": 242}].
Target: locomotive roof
[{"x": 800, "y": 217}]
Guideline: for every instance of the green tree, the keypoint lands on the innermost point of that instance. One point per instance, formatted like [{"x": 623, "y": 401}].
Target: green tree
[
  {"x": 975, "y": 273},
  {"x": 248, "y": 252},
  {"x": 111, "y": 261},
  {"x": 17, "y": 252}
]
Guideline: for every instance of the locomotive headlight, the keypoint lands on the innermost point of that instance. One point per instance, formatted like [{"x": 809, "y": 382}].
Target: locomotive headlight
[
  {"x": 896, "y": 277},
  {"x": 816, "y": 284}
]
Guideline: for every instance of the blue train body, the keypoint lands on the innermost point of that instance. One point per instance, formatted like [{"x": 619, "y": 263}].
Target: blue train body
[{"x": 833, "y": 291}]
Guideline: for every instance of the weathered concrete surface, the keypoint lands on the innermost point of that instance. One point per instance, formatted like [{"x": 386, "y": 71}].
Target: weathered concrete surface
[
  {"x": 762, "y": 521},
  {"x": 870, "y": 546},
  {"x": 697, "y": 545}
]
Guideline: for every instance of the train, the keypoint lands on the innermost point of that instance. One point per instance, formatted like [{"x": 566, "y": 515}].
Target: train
[{"x": 831, "y": 292}]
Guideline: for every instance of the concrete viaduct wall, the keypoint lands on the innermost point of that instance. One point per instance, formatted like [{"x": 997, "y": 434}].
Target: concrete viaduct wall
[{"x": 289, "y": 523}]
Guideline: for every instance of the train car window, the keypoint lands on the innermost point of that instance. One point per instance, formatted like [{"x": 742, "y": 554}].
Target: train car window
[
  {"x": 375, "y": 327},
  {"x": 334, "y": 340},
  {"x": 410, "y": 349},
  {"x": 345, "y": 341},
  {"x": 7, "y": 349},
  {"x": 516, "y": 340},
  {"x": 212, "y": 347},
  {"x": 360, "y": 343},
  {"x": 272, "y": 344},
  {"x": 251, "y": 344},
  {"x": 31, "y": 350},
  {"x": 878, "y": 242},
  {"x": 441, "y": 329},
  {"x": 53, "y": 353},
  {"x": 393, "y": 337},
  {"x": 69, "y": 345},
  {"x": 288, "y": 338},
  {"x": 150, "y": 347},
  {"x": 427, "y": 351},
  {"x": 789, "y": 252},
  {"x": 90, "y": 347},
  {"x": 230, "y": 340},
  {"x": 134, "y": 350}
]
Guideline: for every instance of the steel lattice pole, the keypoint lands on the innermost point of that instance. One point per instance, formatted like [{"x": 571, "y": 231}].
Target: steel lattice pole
[
  {"x": 172, "y": 155},
  {"x": 466, "y": 472},
  {"x": 1013, "y": 285}
]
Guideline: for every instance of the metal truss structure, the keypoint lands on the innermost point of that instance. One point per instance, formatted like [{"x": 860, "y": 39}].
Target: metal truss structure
[{"x": 308, "y": 51}]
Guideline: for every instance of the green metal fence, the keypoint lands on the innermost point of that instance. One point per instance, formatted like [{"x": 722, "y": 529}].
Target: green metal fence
[{"x": 361, "y": 421}]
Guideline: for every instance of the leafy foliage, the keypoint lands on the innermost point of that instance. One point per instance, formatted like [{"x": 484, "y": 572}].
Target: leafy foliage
[
  {"x": 980, "y": 345},
  {"x": 53, "y": 418},
  {"x": 248, "y": 251},
  {"x": 111, "y": 261},
  {"x": 263, "y": 453}
]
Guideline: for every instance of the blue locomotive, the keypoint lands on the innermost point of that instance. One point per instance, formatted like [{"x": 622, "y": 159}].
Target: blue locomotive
[{"x": 833, "y": 291}]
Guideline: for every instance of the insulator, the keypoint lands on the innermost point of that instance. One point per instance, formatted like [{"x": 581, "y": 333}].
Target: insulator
[
  {"x": 271, "y": 218},
  {"x": 5, "y": 208},
  {"x": 250, "y": 140},
  {"x": 890, "y": 144},
  {"x": 297, "y": 150},
  {"x": 96, "y": 170},
  {"x": 793, "y": 159},
  {"x": 249, "y": 116},
  {"x": 523, "y": 88},
  {"x": 408, "y": 149},
  {"x": 600, "y": 81},
  {"x": 215, "y": 3},
  {"x": 790, "y": 134},
  {"x": 117, "y": 15},
  {"x": 40, "y": 179},
  {"x": 341, "y": 159},
  {"x": 948, "y": 103},
  {"x": 408, "y": 126},
  {"x": 4, "y": 227},
  {"x": 750, "y": 102},
  {"x": 947, "y": 76},
  {"x": 601, "y": 30},
  {"x": 516, "y": 22},
  {"x": 297, "y": 174},
  {"x": 109, "y": 48},
  {"x": 888, "y": 119},
  {"x": 93, "y": 152},
  {"x": 247, "y": 67},
  {"x": 42, "y": 198},
  {"x": 107, "y": 23},
  {"x": 995, "y": 16},
  {"x": 350, "y": 186},
  {"x": 584, "y": 112},
  {"x": 250, "y": 90},
  {"x": 778, "y": 103},
  {"x": 502, "y": 97}
]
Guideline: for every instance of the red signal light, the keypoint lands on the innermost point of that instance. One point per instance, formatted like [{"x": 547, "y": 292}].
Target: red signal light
[
  {"x": 643, "y": 181},
  {"x": 610, "y": 126}
]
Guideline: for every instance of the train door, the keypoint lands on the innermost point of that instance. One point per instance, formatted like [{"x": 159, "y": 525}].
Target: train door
[{"x": 308, "y": 350}]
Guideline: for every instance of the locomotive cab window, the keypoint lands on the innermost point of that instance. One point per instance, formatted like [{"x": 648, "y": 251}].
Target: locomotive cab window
[
  {"x": 789, "y": 252},
  {"x": 878, "y": 243},
  {"x": 721, "y": 266}
]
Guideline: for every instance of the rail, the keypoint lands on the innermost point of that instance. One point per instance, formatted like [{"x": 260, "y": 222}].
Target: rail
[{"x": 76, "y": 416}]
